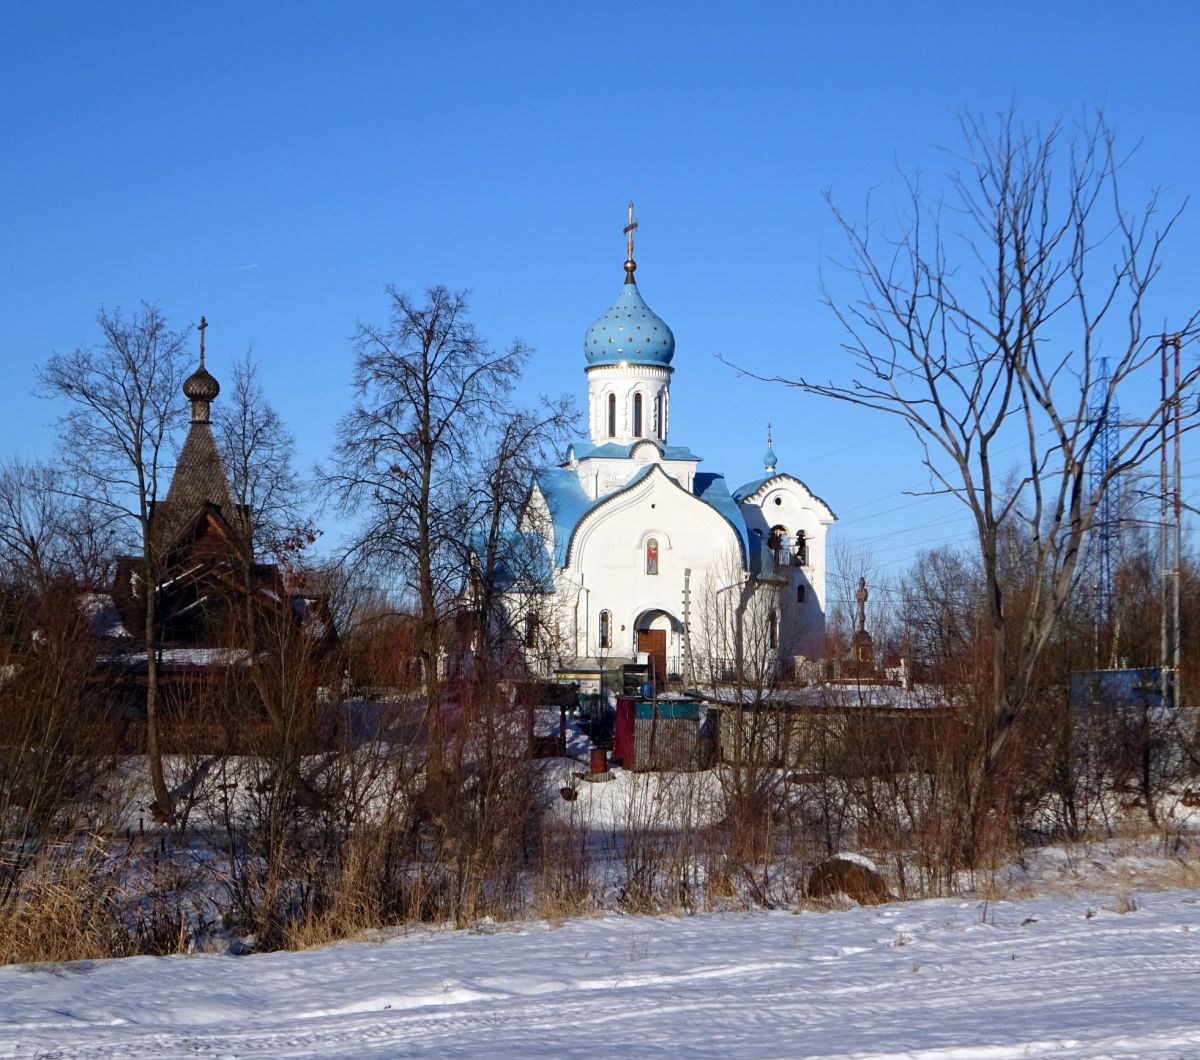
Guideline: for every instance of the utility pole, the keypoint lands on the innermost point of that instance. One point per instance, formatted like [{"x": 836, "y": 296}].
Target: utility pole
[
  {"x": 688, "y": 676},
  {"x": 1104, "y": 542},
  {"x": 1163, "y": 559},
  {"x": 1176, "y": 403}
]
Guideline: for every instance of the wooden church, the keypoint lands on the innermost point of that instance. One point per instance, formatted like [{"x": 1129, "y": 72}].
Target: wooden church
[{"x": 217, "y": 607}]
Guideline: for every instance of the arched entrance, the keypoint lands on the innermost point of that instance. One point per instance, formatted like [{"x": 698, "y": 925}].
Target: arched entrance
[{"x": 656, "y": 632}]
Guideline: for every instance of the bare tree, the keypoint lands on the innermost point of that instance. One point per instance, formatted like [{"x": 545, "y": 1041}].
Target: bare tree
[
  {"x": 741, "y": 637},
  {"x": 124, "y": 398},
  {"x": 943, "y": 609},
  {"x": 50, "y": 760},
  {"x": 852, "y": 564},
  {"x": 426, "y": 382},
  {"x": 981, "y": 324},
  {"x": 46, "y": 537},
  {"x": 259, "y": 454},
  {"x": 514, "y": 447}
]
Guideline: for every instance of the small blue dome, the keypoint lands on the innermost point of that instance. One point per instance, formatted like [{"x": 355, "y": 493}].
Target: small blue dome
[
  {"x": 630, "y": 331},
  {"x": 770, "y": 460}
]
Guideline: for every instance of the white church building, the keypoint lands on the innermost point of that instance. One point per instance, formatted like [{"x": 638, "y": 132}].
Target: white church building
[{"x": 648, "y": 554}]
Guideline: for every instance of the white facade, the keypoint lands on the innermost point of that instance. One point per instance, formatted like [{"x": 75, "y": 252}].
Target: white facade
[
  {"x": 620, "y": 394},
  {"x": 647, "y": 553}
]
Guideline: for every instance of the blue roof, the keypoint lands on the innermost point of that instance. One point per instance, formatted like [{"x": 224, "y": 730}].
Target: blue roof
[
  {"x": 586, "y": 450},
  {"x": 569, "y": 505},
  {"x": 629, "y": 331},
  {"x": 714, "y": 491},
  {"x": 749, "y": 488},
  {"x": 522, "y": 562}
]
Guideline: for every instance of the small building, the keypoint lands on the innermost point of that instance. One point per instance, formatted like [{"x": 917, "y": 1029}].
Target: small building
[
  {"x": 846, "y": 730},
  {"x": 657, "y": 734}
]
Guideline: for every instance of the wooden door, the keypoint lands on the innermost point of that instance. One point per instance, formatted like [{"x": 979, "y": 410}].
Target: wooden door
[{"x": 654, "y": 643}]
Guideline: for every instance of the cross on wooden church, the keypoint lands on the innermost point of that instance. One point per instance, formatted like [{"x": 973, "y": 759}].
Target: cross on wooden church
[{"x": 200, "y": 328}]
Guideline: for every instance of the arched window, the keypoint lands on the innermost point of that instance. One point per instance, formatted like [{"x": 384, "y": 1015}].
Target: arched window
[
  {"x": 773, "y": 629},
  {"x": 652, "y": 555},
  {"x": 780, "y": 545},
  {"x": 801, "y": 594},
  {"x": 605, "y": 629},
  {"x": 658, "y": 417},
  {"x": 612, "y": 415},
  {"x": 637, "y": 415},
  {"x": 531, "y": 626},
  {"x": 801, "y": 549}
]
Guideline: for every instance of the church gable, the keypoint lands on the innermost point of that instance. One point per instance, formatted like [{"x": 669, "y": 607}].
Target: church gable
[
  {"x": 653, "y": 486},
  {"x": 753, "y": 493}
]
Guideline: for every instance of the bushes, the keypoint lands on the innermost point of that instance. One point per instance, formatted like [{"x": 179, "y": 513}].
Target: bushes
[{"x": 298, "y": 841}]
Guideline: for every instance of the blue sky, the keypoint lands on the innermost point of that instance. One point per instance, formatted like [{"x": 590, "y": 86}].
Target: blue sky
[{"x": 274, "y": 166}]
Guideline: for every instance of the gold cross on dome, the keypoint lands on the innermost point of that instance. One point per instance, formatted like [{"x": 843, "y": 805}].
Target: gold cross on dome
[
  {"x": 629, "y": 230},
  {"x": 200, "y": 328}
]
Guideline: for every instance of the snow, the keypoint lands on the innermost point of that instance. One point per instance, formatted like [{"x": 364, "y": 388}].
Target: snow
[
  {"x": 856, "y": 859},
  {"x": 840, "y": 695},
  {"x": 943, "y": 978},
  {"x": 639, "y": 802},
  {"x": 104, "y": 620}
]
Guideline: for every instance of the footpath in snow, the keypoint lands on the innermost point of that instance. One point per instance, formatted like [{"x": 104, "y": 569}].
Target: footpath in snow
[{"x": 1064, "y": 977}]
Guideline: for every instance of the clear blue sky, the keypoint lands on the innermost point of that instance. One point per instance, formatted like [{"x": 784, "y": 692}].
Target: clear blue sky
[{"x": 273, "y": 166}]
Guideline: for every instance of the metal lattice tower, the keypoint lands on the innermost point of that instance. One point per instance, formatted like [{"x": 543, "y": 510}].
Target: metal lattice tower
[{"x": 1106, "y": 530}]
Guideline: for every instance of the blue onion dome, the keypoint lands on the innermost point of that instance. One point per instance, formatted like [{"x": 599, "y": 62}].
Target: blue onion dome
[
  {"x": 630, "y": 331},
  {"x": 770, "y": 460}
]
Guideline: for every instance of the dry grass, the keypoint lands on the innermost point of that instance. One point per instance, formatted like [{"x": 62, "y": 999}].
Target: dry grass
[
  {"x": 1137, "y": 860},
  {"x": 62, "y": 911},
  {"x": 356, "y": 903},
  {"x": 1126, "y": 903}
]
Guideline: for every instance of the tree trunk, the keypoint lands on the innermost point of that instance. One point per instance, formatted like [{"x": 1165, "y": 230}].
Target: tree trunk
[
  {"x": 163, "y": 809},
  {"x": 429, "y": 625}
]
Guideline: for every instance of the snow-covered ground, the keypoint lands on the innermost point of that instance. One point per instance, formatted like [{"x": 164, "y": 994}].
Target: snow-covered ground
[{"x": 1087, "y": 975}]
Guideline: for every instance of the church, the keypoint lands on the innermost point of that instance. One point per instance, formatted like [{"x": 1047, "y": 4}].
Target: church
[
  {"x": 649, "y": 557},
  {"x": 215, "y": 602}
]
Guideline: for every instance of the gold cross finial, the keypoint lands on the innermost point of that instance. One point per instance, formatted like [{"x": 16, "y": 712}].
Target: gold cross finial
[
  {"x": 200, "y": 327},
  {"x": 629, "y": 230}
]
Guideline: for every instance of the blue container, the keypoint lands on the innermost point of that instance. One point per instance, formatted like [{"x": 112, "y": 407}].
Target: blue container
[{"x": 670, "y": 710}]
